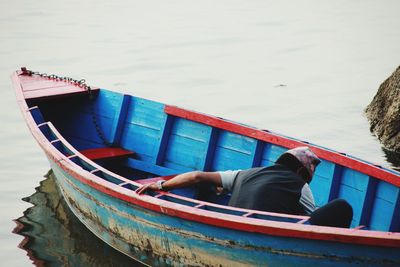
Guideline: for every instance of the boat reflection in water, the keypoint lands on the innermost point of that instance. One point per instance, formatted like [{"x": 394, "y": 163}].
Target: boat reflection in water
[{"x": 55, "y": 237}]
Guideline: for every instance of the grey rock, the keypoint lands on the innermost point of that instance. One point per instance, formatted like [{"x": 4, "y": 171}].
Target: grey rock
[{"x": 383, "y": 112}]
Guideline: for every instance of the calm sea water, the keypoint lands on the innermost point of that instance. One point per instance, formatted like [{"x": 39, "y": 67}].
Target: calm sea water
[{"x": 306, "y": 69}]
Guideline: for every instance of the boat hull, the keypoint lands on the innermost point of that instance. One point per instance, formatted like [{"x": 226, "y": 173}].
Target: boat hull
[{"x": 159, "y": 239}]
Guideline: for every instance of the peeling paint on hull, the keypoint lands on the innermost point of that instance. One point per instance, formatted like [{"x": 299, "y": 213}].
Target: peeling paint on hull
[
  {"x": 134, "y": 238},
  {"x": 159, "y": 239}
]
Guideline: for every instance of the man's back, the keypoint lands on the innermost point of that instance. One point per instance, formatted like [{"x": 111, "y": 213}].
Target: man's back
[{"x": 274, "y": 189}]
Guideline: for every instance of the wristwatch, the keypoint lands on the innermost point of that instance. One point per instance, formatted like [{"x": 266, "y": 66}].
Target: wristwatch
[{"x": 159, "y": 184}]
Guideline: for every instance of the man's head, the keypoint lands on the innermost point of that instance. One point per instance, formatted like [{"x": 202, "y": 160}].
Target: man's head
[{"x": 300, "y": 160}]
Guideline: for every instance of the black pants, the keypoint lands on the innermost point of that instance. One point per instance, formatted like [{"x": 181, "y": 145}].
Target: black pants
[{"x": 337, "y": 213}]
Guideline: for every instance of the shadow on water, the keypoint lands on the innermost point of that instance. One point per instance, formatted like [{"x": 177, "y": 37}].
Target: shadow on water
[{"x": 53, "y": 236}]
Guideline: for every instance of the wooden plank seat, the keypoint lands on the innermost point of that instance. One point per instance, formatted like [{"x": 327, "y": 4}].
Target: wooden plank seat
[{"x": 106, "y": 153}]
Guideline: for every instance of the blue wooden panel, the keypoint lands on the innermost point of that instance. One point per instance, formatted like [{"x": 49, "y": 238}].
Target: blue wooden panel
[
  {"x": 74, "y": 125},
  {"x": 377, "y": 220},
  {"x": 188, "y": 153},
  {"x": 104, "y": 123},
  {"x": 75, "y": 119},
  {"x": 319, "y": 189},
  {"x": 151, "y": 168},
  {"x": 145, "y": 113},
  {"x": 211, "y": 145},
  {"x": 353, "y": 188},
  {"x": 107, "y": 103},
  {"x": 233, "y": 152},
  {"x": 84, "y": 128},
  {"x": 336, "y": 181},
  {"x": 236, "y": 142},
  {"x": 258, "y": 153},
  {"x": 395, "y": 224},
  {"x": 225, "y": 159},
  {"x": 271, "y": 153},
  {"x": 142, "y": 140},
  {"x": 187, "y": 145},
  {"x": 325, "y": 169},
  {"x": 321, "y": 183},
  {"x": 368, "y": 201},
  {"x": 119, "y": 120},
  {"x": 384, "y": 206},
  {"x": 142, "y": 132},
  {"x": 191, "y": 130},
  {"x": 163, "y": 141}
]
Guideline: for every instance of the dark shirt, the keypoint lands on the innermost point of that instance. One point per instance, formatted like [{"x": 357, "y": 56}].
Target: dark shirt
[{"x": 273, "y": 189}]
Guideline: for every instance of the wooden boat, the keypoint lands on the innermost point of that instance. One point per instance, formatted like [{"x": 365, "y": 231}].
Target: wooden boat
[{"x": 103, "y": 146}]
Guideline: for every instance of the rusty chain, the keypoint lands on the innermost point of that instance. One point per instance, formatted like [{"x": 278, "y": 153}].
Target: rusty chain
[{"x": 81, "y": 83}]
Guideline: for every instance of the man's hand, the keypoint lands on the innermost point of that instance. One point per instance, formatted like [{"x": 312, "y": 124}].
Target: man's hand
[{"x": 144, "y": 188}]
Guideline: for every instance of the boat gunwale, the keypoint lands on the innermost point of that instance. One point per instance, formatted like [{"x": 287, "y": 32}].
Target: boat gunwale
[
  {"x": 351, "y": 162},
  {"x": 236, "y": 222}
]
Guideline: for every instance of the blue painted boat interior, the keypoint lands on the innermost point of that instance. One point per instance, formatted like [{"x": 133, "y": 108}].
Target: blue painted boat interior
[{"x": 168, "y": 145}]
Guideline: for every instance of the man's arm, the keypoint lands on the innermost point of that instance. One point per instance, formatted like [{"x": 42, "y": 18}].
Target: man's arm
[{"x": 185, "y": 179}]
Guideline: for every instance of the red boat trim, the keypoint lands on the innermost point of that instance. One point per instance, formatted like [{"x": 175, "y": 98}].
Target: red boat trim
[
  {"x": 352, "y": 236},
  {"x": 336, "y": 157}
]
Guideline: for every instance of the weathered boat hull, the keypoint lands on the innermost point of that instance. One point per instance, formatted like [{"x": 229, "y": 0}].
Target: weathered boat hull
[{"x": 159, "y": 239}]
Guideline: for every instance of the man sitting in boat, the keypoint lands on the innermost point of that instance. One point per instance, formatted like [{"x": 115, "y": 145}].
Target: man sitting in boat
[{"x": 281, "y": 188}]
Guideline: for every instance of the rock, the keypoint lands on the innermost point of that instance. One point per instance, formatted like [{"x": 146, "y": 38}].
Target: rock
[{"x": 383, "y": 112}]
